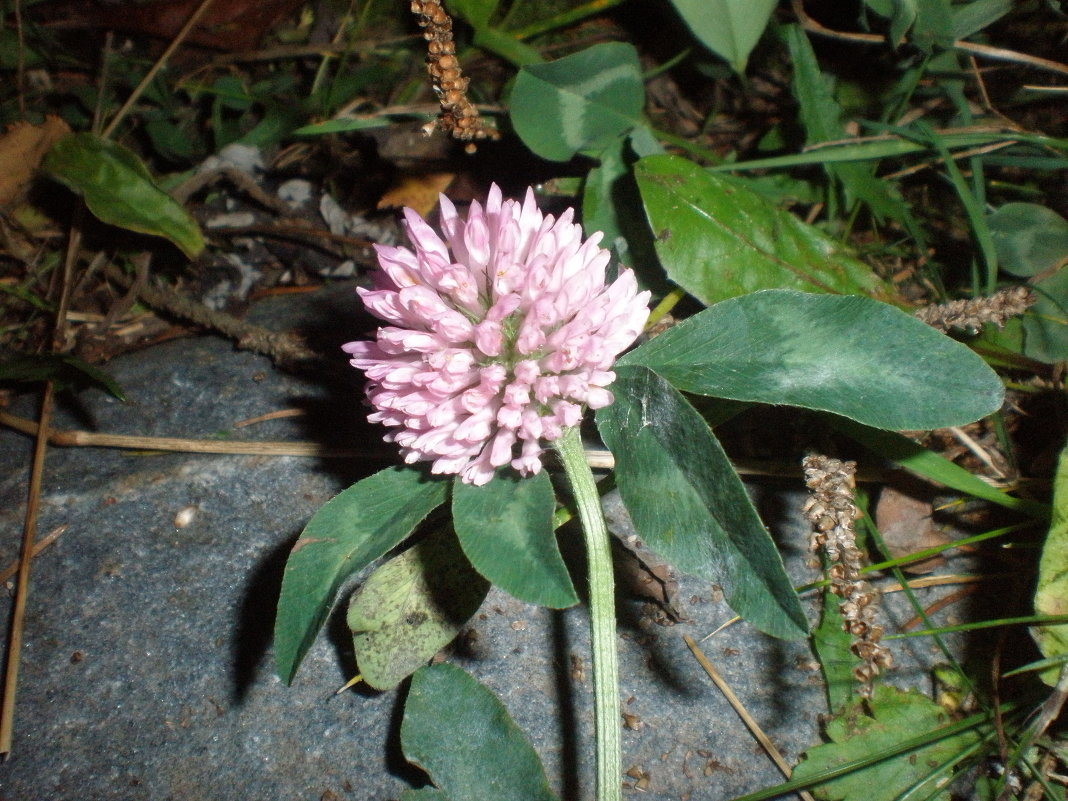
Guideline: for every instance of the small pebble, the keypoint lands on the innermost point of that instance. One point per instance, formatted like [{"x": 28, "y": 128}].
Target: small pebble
[{"x": 185, "y": 517}]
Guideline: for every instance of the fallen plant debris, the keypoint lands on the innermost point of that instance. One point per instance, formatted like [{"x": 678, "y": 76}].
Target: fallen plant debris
[{"x": 22, "y": 147}]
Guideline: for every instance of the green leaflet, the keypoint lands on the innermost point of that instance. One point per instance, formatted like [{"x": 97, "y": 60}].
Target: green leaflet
[
  {"x": 689, "y": 505},
  {"x": 582, "y": 102},
  {"x": 853, "y": 356},
  {"x": 729, "y": 28},
  {"x": 506, "y": 530},
  {"x": 347, "y": 533},
  {"x": 119, "y": 190},
  {"x": 718, "y": 239},
  {"x": 411, "y": 607},
  {"x": 1045, "y": 325},
  {"x": 1032, "y": 240},
  {"x": 461, "y": 734}
]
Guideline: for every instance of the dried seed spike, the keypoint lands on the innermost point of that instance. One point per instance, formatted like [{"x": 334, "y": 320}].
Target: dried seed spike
[
  {"x": 458, "y": 115},
  {"x": 972, "y": 314},
  {"x": 832, "y": 512}
]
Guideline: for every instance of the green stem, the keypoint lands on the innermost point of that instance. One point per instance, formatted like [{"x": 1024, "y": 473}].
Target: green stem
[
  {"x": 690, "y": 147},
  {"x": 569, "y": 17},
  {"x": 602, "y": 616}
]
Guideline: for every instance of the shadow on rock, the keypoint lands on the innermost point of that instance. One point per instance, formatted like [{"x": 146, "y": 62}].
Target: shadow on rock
[
  {"x": 567, "y": 719},
  {"x": 255, "y": 619}
]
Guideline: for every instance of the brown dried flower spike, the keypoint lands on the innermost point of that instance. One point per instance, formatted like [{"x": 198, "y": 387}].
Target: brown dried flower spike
[
  {"x": 831, "y": 510},
  {"x": 458, "y": 115},
  {"x": 972, "y": 315}
]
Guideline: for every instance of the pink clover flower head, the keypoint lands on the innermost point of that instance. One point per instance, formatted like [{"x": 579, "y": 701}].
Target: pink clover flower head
[{"x": 500, "y": 333}]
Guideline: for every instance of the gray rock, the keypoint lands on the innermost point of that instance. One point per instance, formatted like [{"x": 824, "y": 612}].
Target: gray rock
[{"x": 147, "y": 673}]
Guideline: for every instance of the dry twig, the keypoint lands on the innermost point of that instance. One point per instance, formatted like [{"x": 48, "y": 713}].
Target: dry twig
[
  {"x": 736, "y": 704},
  {"x": 150, "y": 76},
  {"x": 242, "y": 181},
  {"x": 8, "y": 572},
  {"x": 33, "y": 499},
  {"x": 983, "y": 51},
  {"x": 283, "y": 348},
  {"x": 92, "y": 439}
]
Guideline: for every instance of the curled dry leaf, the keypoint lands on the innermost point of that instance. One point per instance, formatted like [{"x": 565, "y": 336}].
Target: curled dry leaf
[
  {"x": 22, "y": 147},
  {"x": 419, "y": 192}
]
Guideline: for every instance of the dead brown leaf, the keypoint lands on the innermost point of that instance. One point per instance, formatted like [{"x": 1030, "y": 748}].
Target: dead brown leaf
[
  {"x": 21, "y": 149},
  {"x": 418, "y": 192},
  {"x": 903, "y": 516}
]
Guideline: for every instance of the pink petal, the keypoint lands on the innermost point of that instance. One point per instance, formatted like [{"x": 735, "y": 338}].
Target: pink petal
[{"x": 500, "y": 331}]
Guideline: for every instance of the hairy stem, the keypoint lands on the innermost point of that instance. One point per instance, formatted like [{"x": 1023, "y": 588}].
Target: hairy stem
[{"x": 602, "y": 615}]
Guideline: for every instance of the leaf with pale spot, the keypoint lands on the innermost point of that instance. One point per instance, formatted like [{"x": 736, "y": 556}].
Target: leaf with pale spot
[
  {"x": 579, "y": 103},
  {"x": 411, "y": 607}
]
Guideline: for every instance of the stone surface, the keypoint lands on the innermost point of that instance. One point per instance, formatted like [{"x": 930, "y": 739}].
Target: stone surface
[{"x": 146, "y": 671}]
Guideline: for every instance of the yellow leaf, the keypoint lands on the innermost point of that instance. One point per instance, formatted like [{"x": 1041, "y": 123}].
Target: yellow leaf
[{"x": 417, "y": 192}]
